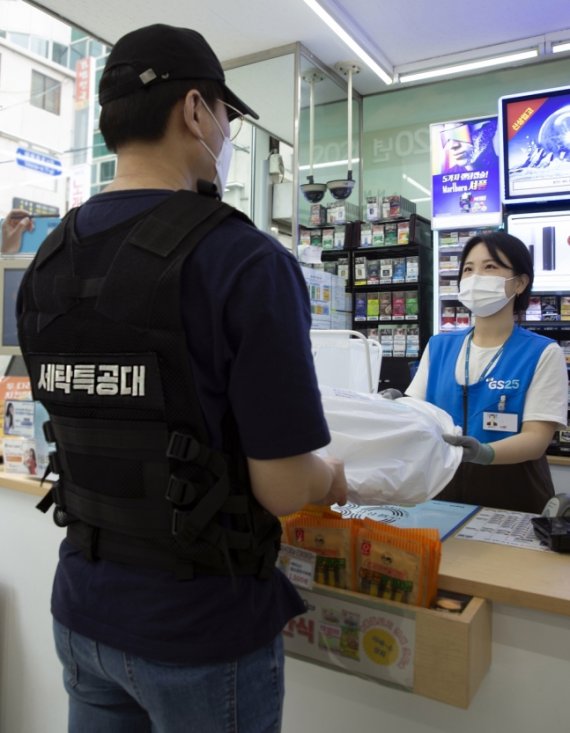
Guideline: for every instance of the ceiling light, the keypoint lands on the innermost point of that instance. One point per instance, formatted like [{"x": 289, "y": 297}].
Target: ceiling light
[
  {"x": 349, "y": 40},
  {"x": 330, "y": 164},
  {"x": 470, "y": 66},
  {"x": 560, "y": 47},
  {"x": 413, "y": 182}
]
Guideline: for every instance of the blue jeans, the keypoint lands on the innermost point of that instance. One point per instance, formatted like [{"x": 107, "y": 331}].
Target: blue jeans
[{"x": 114, "y": 692}]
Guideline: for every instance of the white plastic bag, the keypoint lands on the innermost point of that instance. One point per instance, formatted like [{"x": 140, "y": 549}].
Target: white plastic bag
[{"x": 393, "y": 450}]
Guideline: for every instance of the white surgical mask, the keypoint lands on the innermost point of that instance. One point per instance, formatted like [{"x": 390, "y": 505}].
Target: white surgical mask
[
  {"x": 223, "y": 159},
  {"x": 484, "y": 295}
]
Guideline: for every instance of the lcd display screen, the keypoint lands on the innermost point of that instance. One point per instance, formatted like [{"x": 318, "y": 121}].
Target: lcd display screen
[
  {"x": 535, "y": 130},
  {"x": 547, "y": 236},
  {"x": 12, "y": 275},
  {"x": 465, "y": 173}
]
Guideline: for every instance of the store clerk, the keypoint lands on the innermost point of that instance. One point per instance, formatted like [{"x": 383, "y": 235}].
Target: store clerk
[{"x": 506, "y": 387}]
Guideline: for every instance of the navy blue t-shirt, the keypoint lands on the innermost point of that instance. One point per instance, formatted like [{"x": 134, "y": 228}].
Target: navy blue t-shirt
[{"x": 247, "y": 318}]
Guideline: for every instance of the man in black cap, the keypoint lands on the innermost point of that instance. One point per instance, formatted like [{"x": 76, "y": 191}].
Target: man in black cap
[{"x": 169, "y": 340}]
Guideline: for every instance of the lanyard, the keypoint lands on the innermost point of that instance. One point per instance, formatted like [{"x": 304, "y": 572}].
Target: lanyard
[{"x": 494, "y": 359}]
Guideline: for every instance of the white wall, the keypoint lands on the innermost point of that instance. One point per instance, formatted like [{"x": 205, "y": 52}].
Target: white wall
[
  {"x": 525, "y": 689},
  {"x": 32, "y": 699}
]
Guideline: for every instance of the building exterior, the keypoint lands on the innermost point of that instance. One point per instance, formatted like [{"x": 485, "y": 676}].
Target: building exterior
[{"x": 51, "y": 155}]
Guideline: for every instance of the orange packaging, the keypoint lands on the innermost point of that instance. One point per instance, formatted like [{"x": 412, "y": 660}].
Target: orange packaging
[{"x": 329, "y": 539}]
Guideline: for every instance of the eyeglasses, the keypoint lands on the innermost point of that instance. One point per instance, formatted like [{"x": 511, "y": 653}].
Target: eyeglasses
[{"x": 235, "y": 118}]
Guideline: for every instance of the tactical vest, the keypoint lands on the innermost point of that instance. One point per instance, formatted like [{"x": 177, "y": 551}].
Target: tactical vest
[{"x": 107, "y": 356}]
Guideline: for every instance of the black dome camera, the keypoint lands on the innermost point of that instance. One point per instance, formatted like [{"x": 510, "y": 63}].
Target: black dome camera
[
  {"x": 341, "y": 188},
  {"x": 312, "y": 191}
]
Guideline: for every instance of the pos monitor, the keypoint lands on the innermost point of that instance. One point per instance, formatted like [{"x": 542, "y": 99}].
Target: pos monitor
[
  {"x": 535, "y": 135},
  {"x": 11, "y": 273}
]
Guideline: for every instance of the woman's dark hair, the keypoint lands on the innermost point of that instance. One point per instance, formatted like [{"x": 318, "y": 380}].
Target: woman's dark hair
[
  {"x": 502, "y": 245},
  {"x": 143, "y": 115}
]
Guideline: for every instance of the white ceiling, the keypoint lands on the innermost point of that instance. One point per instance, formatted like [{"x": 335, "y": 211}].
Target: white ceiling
[{"x": 407, "y": 32}]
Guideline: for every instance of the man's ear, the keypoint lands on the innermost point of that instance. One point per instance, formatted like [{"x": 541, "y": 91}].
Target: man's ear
[{"x": 193, "y": 112}]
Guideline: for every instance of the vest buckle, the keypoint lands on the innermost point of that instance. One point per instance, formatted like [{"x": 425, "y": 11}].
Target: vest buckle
[
  {"x": 179, "y": 524},
  {"x": 180, "y": 491},
  {"x": 182, "y": 447}
]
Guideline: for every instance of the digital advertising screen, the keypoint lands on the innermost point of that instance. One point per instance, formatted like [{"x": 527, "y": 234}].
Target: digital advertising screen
[
  {"x": 465, "y": 173},
  {"x": 535, "y": 131},
  {"x": 547, "y": 236}
]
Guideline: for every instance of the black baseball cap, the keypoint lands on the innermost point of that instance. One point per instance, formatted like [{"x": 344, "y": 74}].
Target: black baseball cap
[{"x": 158, "y": 53}]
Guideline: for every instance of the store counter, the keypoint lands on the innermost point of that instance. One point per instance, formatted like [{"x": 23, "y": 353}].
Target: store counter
[
  {"x": 517, "y": 577},
  {"x": 522, "y": 594}
]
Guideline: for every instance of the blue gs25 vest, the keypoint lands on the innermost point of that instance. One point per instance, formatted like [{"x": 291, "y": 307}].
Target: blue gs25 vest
[{"x": 505, "y": 385}]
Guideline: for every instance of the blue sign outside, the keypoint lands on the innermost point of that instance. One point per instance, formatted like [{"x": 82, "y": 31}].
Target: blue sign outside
[{"x": 38, "y": 162}]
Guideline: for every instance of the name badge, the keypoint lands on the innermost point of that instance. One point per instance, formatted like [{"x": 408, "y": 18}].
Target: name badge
[{"x": 507, "y": 422}]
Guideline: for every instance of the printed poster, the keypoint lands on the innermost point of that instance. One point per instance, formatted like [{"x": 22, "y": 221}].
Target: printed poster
[{"x": 368, "y": 640}]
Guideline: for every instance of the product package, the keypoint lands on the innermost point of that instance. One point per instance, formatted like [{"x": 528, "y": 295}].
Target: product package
[
  {"x": 373, "y": 272},
  {"x": 390, "y": 234},
  {"x": 385, "y": 306},
  {"x": 328, "y": 238},
  {"x": 412, "y": 269},
  {"x": 360, "y": 306},
  {"x": 411, "y": 305},
  {"x": 397, "y": 564},
  {"x": 386, "y": 270},
  {"x": 366, "y": 236},
  {"x": 378, "y": 235},
  {"x": 373, "y": 306},
  {"x": 330, "y": 539},
  {"x": 399, "y": 270},
  {"x": 342, "y": 267},
  {"x": 360, "y": 270},
  {"x": 398, "y": 305}
]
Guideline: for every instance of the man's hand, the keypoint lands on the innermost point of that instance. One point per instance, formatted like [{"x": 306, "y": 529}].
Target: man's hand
[
  {"x": 14, "y": 225},
  {"x": 473, "y": 450},
  {"x": 339, "y": 489}
]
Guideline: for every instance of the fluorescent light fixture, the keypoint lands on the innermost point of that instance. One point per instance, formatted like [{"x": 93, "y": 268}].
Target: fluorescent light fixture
[
  {"x": 413, "y": 182},
  {"x": 330, "y": 164},
  {"x": 560, "y": 47},
  {"x": 510, "y": 58},
  {"x": 349, "y": 40}
]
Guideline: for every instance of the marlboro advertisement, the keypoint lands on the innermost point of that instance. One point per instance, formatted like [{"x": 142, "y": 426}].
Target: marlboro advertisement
[{"x": 465, "y": 173}]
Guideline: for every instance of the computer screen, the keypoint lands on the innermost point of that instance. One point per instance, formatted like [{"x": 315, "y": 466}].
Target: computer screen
[{"x": 11, "y": 274}]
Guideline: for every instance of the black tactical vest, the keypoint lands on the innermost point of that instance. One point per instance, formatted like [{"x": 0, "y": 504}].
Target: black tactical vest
[{"x": 106, "y": 352}]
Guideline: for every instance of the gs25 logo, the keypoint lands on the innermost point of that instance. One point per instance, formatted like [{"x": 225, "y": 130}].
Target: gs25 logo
[{"x": 503, "y": 383}]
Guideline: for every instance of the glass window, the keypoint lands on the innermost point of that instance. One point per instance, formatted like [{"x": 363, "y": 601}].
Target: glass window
[
  {"x": 39, "y": 45},
  {"x": 46, "y": 93},
  {"x": 107, "y": 171},
  {"x": 99, "y": 147},
  {"x": 59, "y": 53},
  {"x": 21, "y": 39}
]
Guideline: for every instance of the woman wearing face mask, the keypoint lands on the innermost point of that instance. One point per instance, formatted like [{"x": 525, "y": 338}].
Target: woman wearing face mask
[{"x": 504, "y": 386}]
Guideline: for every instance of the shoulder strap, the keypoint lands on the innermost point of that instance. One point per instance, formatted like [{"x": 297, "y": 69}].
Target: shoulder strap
[{"x": 151, "y": 257}]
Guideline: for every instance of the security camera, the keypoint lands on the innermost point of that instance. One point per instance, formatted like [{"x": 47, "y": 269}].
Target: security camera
[
  {"x": 341, "y": 188},
  {"x": 312, "y": 191}
]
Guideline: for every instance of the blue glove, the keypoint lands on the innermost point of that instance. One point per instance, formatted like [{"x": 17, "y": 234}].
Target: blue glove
[
  {"x": 391, "y": 394},
  {"x": 473, "y": 450}
]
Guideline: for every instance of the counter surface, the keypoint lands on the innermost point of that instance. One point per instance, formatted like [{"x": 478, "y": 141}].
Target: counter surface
[{"x": 509, "y": 575}]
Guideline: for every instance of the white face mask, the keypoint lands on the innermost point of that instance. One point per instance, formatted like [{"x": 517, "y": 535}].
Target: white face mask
[
  {"x": 484, "y": 295},
  {"x": 224, "y": 157}
]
